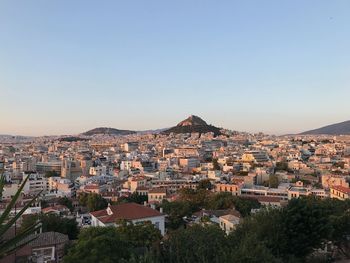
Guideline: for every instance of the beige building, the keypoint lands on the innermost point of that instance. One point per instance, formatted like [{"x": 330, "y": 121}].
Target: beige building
[
  {"x": 228, "y": 223},
  {"x": 156, "y": 195},
  {"x": 340, "y": 192}
]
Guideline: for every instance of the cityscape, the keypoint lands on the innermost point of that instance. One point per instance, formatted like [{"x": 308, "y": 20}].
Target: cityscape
[{"x": 174, "y": 132}]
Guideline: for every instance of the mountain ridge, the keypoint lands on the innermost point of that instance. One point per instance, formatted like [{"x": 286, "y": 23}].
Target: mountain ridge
[
  {"x": 193, "y": 124},
  {"x": 107, "y": 130},
  {"x": 340, "y": 128}
]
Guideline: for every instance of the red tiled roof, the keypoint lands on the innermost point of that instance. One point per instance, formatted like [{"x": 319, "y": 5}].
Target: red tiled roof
[
  {"x": 54, "y": 208},
  {"x": 91, "y": 186},
  {"x": 128, "y": 211},
  {"x": 342, "y": 189}
]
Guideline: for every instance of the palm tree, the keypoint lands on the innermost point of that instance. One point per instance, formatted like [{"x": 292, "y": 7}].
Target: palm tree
[{"x": 6, "y": 222}]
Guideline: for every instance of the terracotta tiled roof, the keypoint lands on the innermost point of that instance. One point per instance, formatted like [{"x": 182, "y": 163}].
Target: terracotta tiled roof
[
  {"x": 342, "y": 189},
  {"x": 54, "y": 208},
  {"x": 128, "y": 211},
  {"x": 91, "y": 186}
]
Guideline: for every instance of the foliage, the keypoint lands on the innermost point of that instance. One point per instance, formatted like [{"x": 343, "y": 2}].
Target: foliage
[
  {"x": 6, "y": 222},
  {"x": 99, "y": 244},
  {"x": 52, "y": 222},
  {"x": 134, "y": 198},
  {"x": 92, "y": 201},
  {"x": 51, "y": 174},
  {"x": 273, "y": 181},
  {"x": 176, "y": 211},
  {"x": 294, "y": 231},
  {"x": 67, "y": 202},
  {"x": 205, "y": 184},
  {"x": 216, "y": 165},
  {"x": 126, "y": 243},
  {"x": 226, "y": 200},
  {"x": 143, "y": 234},
  {"x": 191, "y": 245},
  {"x": 281, "y": 166},
  {"x": 288, "y": 234}
]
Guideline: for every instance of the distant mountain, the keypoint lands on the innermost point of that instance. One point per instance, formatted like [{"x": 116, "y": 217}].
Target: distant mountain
[
  {"x": 334, "y": 129},
  {"x": 157, "y": 131},
  {"x": 109, "y": 131},
  {"x": 193, "y": 124}
]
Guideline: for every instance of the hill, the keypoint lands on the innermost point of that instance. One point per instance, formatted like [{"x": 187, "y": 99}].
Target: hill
[
  {"x": 193, "y": 124},
  {"x": 333, "y": 129},
  {"x": 109, "y": 131}
]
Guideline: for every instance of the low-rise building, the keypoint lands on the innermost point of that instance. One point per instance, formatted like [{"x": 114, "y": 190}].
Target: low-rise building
[
  {"x": 340, "y": 192},
  {"x": 129, "y": 211}
]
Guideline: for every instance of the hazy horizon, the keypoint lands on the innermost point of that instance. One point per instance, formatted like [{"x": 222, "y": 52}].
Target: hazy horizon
[
  {"x": 270, "y": 66},
  {"x": 157, "y": 128}
]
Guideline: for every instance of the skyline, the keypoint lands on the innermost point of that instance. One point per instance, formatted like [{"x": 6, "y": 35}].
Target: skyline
[
  {"x": 166, "y": 128},
  {"x": 276, "y": 68}
]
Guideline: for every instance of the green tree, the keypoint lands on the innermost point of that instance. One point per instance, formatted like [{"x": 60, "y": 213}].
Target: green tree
[
  {"x": 306, "y": 225},
  {"x": 216, "y": 164},
  {"x": 176, "y": 211},
  {"x": 195, "y": 244},
  {"x": 205, "y": 184},
  {"x": 251, "y": 250},
  {"x": 99, "y": 244},
  {"x": 133, "y": 198},
  {"x": 273, "y": 181},
  {"x": 281, "y": 166},
  {"x": 139, "y": 235},
  {"x": 67, "y": 202},
  {"x": 52, "y": 222},
  {"x": 340, "y": 232},
  {"x": 221, "y": 200},
  {"x": 6, "y": 222},
  {"x": 225, "y": 200},
  {"x": 51, "y": 174},
  {"x": 92, "y": 201}
]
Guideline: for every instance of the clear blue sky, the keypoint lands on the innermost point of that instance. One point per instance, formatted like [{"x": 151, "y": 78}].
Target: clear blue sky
[{"x": 271, "y": 66}]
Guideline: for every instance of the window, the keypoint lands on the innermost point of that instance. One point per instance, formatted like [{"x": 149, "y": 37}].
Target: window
[{"x": 157, "y": 225}]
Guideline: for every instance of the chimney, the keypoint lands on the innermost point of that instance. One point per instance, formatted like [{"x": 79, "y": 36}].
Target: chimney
[
  {"x": 145, "y": 203},
  {"x": 161, "y": 210}
]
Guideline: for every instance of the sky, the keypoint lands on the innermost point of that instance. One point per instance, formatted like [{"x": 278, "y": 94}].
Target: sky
[{"x": 272, "y": 66}]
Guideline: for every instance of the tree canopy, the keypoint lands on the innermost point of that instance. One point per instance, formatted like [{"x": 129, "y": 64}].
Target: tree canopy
[{"x": 92, "y": 201}]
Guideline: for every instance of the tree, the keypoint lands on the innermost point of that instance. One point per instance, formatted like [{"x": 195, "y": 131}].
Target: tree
[
  {"x": 216, "y": 164},
  {"x": 221, "y": 200},
  {"x": 273, "y": 181},
  {"x": 66, "y": 202},
  {"x": 68, "y": 226},
  {"x": 306, "y": 225},
  {"x": 52, "y": 222},
  {"x": 176, "y": 211},
  {"x": 191, "y": 245},
  {"x": 225, "y": 200},
  {"x": 281, "y": 166},
  {"x": 51, "y": 174},
  {"x": 341, "y": 232},
  {"x": 133, "y": 198},
  {"x": 6, "y": 222},
  {"x": 139, "y": 235},
  {"x": 92, "y": 201},
  {"x": 250, "y": 249},
  {"x": 205, "y": 184},
  {"x": 99, "y": 244}
]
